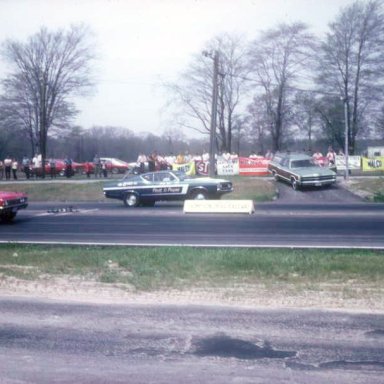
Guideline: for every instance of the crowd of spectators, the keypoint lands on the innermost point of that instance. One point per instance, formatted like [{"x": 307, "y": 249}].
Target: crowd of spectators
[
  {"x": 155, "y": 161},
  {"x": 9, "y": 167},
  {"x": 32, "y": 168}
]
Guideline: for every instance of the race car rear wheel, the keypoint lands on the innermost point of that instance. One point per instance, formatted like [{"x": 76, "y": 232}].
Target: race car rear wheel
[
  {"x": 131, "y": 200},
  {"x": 199, "y": 195}
]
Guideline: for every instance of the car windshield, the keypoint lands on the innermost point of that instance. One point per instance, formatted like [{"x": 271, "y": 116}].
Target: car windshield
[
  {"x": 129, "y": 176},
  {"x": 305, "y": 163}
]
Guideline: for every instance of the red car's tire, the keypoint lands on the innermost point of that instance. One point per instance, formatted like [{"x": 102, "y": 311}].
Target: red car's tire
[{"x": 8, "y": 216}]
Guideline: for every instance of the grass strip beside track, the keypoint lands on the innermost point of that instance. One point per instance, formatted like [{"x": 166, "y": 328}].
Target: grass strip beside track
[
  {"x": 148, "y": 269},
  {"x": 58, "y": 191},
  {"x": 371, "y": 189}
]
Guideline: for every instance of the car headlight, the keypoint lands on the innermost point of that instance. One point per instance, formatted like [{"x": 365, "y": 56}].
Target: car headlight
[{"x": 224, "y": 186}]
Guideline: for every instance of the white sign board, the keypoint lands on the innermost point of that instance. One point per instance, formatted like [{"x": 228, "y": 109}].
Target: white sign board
[
  {"x": 227, "y": 167},
  {"x": 354, "y": 162},
  {"x": 219, "y": 206}
]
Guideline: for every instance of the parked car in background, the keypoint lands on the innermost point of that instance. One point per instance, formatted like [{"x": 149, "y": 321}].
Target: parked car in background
[
  {"x": 300, "y": 171},
  {"x": 147, "y": 188},
  {"x": 10, "y": 203},
  {"x": 58, "y": 170},
  {"x": 115, "y": 166},
  {"x": 112, "y": 164}
]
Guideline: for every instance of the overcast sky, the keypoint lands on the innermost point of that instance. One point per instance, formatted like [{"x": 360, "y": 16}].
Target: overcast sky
[{"x": 142, "y": 43}]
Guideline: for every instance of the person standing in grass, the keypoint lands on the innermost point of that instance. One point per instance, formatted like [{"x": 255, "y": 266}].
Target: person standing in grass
[
  {"x": 97, "y": 166},
  {"x": 7, "y": 167},
  {"x": 87, "y": 169},
  {"x": 26, "y": 167},
  {"x": 104, "y": 168},
  {"x": 15, "y": 166},
  {"x": 68, "y": 167},
  {"x": 52, "y": 168}
]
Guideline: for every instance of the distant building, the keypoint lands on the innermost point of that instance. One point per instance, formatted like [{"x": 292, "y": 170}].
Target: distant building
[{"x": 375, "y": 151}]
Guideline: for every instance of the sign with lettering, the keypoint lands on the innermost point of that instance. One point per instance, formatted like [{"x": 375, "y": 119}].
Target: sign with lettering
[
  {"x": 187, "y": 168},
  {"x": 354, "y": 162},
  {"x": 373, "y": 163},
  {"x": 166, "y": 190},
  {"x": 253, "y": 166},
  {"x": 202, "y": 167},
  {"x": 219, "y": 206},
  {"x": 228, "y": 167}
]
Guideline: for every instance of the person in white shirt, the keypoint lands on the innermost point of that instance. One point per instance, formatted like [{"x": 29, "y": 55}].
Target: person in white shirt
[
  {"x": 205, "y": 156},
  {"x": 15, "y": 166},
  {"x": 226, "y": 156},
  {"x": 141, "y": 160}
]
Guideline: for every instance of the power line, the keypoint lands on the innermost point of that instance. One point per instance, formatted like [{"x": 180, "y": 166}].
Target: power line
[{"x": 258, "y": 82}]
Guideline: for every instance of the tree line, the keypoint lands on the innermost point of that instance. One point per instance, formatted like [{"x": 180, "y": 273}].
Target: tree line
[
  {"x": 288, "y": 83},
  {"x": 283, "y": 87}
]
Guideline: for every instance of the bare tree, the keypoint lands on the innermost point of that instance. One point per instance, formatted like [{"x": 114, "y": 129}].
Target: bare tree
[
  {"x": 306, "y": 115},
  {"x": 259, "y": 124},
  {"x": 379, "y": 124},
  {"x": 351, "y": 62},
  {"x": 48, "y": 70},
  {"x": 278, "y": 60},
  {"x": 193, "y": 92},
  {"x": 331, "y": 114}
]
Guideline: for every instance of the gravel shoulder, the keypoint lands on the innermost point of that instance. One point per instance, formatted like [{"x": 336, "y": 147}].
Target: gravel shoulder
[{"x": 367, "y": 298}]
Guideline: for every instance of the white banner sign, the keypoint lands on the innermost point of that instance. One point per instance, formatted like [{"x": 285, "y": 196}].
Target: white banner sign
[
  {"x": 354, "y": 162},
  {"x": 227, "y": 167}
]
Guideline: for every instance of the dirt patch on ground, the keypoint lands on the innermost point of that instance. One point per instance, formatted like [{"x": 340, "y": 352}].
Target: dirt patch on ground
[{"x": 325, "y": 296}]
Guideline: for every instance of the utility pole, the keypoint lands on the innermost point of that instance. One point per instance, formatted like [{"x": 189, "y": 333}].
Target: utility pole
[
  {"x": 346, "y": 149},
  {"x": 212, "y": 136}
]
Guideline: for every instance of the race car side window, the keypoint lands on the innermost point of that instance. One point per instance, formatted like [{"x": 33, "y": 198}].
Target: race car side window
[
  {"x": 158, "y": 177},
  {"x": 163, "y": 177},
  {"x": 148, "y": 177},
  {"x": 168, "y": 177}
]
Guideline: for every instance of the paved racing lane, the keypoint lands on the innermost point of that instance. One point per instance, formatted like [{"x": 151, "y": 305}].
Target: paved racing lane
[
  {"x": 49, "y": 342},
  {"x": 292, "y": 225}
]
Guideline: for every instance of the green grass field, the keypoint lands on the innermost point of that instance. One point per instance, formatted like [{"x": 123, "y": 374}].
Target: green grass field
[
  {"x": 371, "y": 188},
  {"x": 167, "y": 267}
]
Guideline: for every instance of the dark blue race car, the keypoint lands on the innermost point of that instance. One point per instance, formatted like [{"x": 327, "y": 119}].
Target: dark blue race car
[{"x": 147, "y": 188}]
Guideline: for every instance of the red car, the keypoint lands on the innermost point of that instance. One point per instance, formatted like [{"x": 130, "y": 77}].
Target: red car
[
  {"x": 59, "y": 169},
  {"x": 10, "y": 203},
  {"x": 115, "y": 165},
  {"x": 112, "y": 164}
]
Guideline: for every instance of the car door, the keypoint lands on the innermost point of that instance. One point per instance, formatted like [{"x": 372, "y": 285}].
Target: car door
[
  {"x": 167, "y": 186},
  {"x": 284, "y": 169}
]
